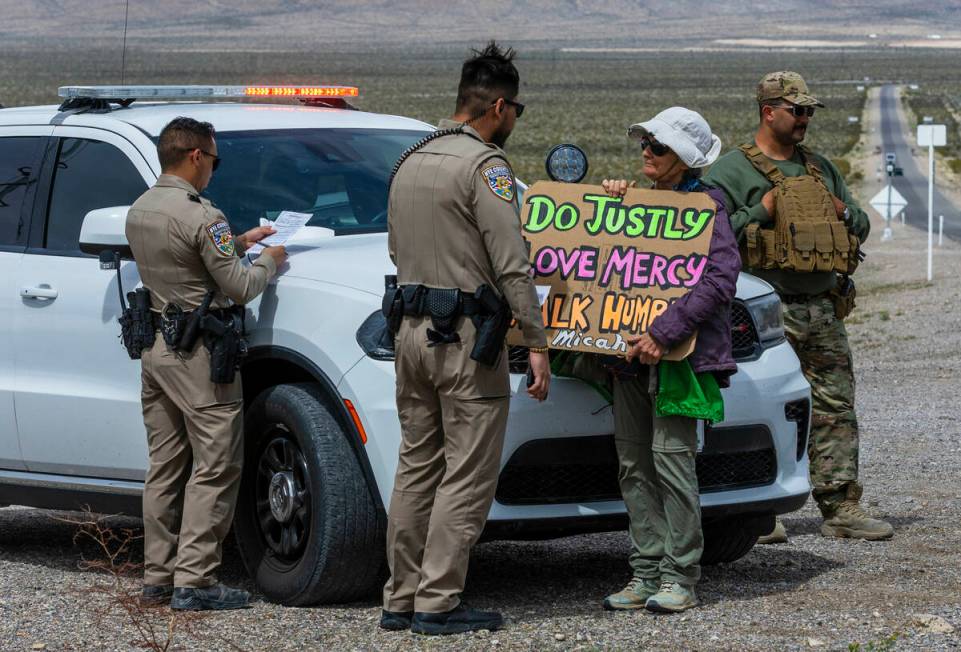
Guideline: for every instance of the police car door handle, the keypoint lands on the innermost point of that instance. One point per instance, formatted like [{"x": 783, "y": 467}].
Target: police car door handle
[{"x": 39, "y": 292}]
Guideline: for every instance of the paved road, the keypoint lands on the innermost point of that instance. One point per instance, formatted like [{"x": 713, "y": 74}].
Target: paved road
[{"x": 914, "y": 184}]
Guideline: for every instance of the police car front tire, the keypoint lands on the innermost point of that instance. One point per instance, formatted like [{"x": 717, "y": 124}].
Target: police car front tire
[
  {"x": 730, "y": 539},
  {"x": 306, "y": 525}
]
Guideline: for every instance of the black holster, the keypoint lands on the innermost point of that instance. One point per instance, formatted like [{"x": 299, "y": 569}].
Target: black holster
[
  {"x": 194, "y": 323},
  {"x": 224, "y": 339},
  {"x": 492, "y": 322},
  {"x": 392, "y": 305},
  {"x": 136, "y": 323}
]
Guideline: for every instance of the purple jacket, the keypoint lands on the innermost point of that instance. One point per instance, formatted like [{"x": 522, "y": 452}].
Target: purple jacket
[{"x": 707, "y": 307}]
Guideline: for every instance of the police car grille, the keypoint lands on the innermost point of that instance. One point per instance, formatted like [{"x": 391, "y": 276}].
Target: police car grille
[
  {"x": 744, "y": 338},
  {"x": 584, "y": 469},
  {"x": 517, "y": 359}
]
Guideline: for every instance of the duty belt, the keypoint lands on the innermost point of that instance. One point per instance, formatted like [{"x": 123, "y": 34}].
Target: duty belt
[
  {"x": 219, "y": 313},
  {"x": 420, "y": 300}
]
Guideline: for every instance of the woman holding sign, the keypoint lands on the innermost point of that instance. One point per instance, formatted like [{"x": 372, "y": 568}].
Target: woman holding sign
[{"x": 657, "y": 438}]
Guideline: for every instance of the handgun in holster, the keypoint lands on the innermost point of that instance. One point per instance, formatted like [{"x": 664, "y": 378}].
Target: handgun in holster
[
  {"x": 136, "y": 323},
  {"x": 843, "y": 296},
  {"x": 492, "y": 323},
  {"x": 193, "y": 324},
  {"x": 224, "y": 338},
  {"x": 392, "y": 305}
]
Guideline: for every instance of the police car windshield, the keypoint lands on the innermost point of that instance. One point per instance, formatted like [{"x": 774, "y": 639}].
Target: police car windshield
[{"x": 338, "y": 175}]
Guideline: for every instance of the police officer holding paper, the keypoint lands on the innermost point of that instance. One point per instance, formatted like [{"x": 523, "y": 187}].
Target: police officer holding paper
[
  {"x": 189, "y": 262},
  {"x": 462, "y": 272}
]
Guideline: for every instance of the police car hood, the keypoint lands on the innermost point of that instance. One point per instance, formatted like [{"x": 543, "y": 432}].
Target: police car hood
[
  {"x": 355, "y": 261},
  {"x": 361, "y": 261}
]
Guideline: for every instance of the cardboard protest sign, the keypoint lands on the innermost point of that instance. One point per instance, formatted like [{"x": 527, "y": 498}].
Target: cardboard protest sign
[{"x": 613, "y": 265}]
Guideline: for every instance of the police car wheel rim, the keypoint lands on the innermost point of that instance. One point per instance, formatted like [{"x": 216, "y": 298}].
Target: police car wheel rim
[{"x": 283, "y": 496}]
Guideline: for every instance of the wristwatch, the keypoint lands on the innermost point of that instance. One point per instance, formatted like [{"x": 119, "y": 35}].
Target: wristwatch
[{"x": 847, "y": 216}]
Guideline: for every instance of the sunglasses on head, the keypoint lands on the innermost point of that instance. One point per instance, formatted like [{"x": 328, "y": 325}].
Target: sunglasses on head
[
  {"x": 796, "y": 110},
  {"x": 657, "y": 149}
]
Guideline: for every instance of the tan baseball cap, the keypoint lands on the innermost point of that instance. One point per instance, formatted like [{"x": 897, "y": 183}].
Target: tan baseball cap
[{"x": 786, "y": 85}]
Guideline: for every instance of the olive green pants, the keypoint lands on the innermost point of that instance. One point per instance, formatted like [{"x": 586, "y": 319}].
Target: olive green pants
[{"x": 659, "y": 484}]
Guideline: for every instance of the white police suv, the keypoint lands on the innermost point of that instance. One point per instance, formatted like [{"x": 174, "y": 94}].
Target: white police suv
[{"x": 321, "y": 426}]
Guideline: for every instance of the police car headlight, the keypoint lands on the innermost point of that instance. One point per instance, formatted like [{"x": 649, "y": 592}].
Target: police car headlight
[
  {"x": 374, "y": 338},
  {"x": 766, "y": 313}
]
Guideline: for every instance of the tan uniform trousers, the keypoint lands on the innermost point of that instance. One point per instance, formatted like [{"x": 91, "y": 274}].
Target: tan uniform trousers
[
  {"x": 195, "y": 441},
  {"x": 453, "y": 415}
]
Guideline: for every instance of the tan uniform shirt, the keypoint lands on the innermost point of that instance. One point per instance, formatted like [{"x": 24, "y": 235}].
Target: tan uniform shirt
[
  {"x": 453, "y": 222},
  {"x": 183, "y": 247}
]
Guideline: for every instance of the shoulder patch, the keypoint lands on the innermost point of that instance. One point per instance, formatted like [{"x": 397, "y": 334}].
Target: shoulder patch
[
  {"x": 220, "y": 235},
  {"x": 500, "y": 181}
]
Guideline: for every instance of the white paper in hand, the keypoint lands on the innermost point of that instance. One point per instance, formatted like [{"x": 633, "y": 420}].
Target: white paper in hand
[{"x": 287, "y": 224}]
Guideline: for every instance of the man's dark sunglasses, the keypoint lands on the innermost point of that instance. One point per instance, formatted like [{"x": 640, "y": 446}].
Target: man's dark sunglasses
[
  {"x": 796, "y": 110},
  {"x": 214, "y": 157},
  {"x": 517, "y": 105},
  {"x": 657, "y": 149}
]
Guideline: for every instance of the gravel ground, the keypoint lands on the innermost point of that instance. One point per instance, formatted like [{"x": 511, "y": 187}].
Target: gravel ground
[{"x": 811, "y": 593}]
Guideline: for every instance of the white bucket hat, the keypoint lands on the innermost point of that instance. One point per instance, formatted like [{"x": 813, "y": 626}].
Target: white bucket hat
[{"x": 686, "y": 132}]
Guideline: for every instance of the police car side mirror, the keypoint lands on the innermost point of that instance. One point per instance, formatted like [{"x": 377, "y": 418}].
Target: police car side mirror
[
  {"x": 104, "y": 230},
  {"x": 566, "y": 163}
]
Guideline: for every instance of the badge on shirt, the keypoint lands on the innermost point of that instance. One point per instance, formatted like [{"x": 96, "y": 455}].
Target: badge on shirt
[
  {"x": 222, "y": 238},
  {"x": 500, "y": 181}
]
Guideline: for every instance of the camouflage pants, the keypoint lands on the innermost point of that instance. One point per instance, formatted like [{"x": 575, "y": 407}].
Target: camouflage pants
[{"x": 821, "y": 343}]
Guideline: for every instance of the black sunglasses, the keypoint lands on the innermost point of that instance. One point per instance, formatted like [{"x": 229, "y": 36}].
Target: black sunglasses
[
  {"x": 796, "y": 110},
  {"x": 214, "y": 157},
  {"x": 657, "y": 149},
  {"x": 517, "y": 106}
]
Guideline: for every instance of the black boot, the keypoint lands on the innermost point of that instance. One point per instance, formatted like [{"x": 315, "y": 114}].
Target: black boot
[
  {"x": 215, "y": 597},
  {"x": 155, "y": 595},
  {"x": 459, "y": 619},
  {"x": 395, "y": 621}
]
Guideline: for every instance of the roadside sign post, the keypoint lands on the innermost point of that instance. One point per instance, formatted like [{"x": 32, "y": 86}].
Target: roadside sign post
[
  {"x": 940, "y": 230},
  {"x": 888, "y": 203},
  {"x": 931, "y": 136}
]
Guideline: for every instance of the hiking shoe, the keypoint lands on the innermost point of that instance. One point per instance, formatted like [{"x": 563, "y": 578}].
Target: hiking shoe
[
  {"x": 850, "y": 521},
  {"x": 215, "y": 597},
  {"x": 459, "y": 619},
  {"x": 632, "y": 596},
  {"x": 671, "y": 598},
  {"x": 395, "y": 621},
  {"x": 777, "y": 535},
  {"x": 154, "y": 595}
]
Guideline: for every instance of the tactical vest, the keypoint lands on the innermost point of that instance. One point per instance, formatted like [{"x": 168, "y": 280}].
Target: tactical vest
[{"x": 807, "y": 235}]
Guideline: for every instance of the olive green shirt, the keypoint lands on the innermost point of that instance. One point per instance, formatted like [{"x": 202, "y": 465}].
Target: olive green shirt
[{"x": 743, "y": 187}]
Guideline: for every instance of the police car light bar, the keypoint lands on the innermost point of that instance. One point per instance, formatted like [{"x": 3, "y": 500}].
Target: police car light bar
[{"x": 204, "y": 92}]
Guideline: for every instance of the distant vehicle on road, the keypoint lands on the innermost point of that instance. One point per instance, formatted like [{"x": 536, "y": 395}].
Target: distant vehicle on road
[{"x": 890, "y": 157}]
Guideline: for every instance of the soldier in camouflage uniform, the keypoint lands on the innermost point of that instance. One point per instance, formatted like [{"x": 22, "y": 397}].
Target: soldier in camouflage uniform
[{"x": 811, "y": 317}]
